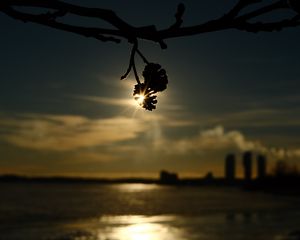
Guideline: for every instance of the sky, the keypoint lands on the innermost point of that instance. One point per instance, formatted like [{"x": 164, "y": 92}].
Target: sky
[{"x": 65, "y": 112}]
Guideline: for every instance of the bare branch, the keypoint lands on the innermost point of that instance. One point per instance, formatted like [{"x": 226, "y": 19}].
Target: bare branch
[
  {"x": 104, "y": 14},
  {"x": 178, "y": 16},
  {"x": 155, "y": 78},
  {"x": 269, "y": 27},
  {"x": 121, "y": 29},
  {"x": 234, "y": 12},
  {"x": 281, "y": 4},
  {"x": 48, "y": 20}
]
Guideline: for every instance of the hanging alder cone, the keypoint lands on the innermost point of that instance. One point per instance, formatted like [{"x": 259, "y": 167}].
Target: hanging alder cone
[
  {"x": 155, "y": 77},
  {"x": 145, "y": 96},
  {"x": 155, "y": 80}
]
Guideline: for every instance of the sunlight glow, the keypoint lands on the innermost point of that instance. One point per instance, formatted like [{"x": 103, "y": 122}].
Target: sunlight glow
[
  {"x": 139, "y": 99},
  {"x": 135, "y": 187},
  {"x": 137, "y": 227},
  {"x": 143, "y": 231}
]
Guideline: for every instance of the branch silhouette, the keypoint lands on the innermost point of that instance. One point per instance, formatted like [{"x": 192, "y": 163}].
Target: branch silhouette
[
  {"x": 240, "y": 17},
  {"x": 55, "y": 10}
]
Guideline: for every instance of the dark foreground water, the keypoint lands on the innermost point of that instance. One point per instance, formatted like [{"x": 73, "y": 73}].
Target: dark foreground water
[{"x": 143, "y": 212}]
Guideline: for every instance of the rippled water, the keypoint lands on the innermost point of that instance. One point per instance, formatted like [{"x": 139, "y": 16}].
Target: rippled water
[{"x": 143, "y": 212}]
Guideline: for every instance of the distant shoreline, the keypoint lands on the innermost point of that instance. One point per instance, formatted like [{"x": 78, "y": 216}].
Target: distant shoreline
[
  {"x": 269, "y": 185},
  {"x": 60, "y": 179}
]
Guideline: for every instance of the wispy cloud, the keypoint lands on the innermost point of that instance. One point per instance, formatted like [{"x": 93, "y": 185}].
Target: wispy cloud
[
  {"x": 127, "y": 102},
  {"x": 259, "y": 118},
  {"x": 109, "y": 101},
  {"x": 64, "y": 133}
]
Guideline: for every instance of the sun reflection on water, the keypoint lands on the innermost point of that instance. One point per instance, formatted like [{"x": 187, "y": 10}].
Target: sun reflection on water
[
  {"x": 143, "y": 231},
  {"x": 135, "y": 187},
  {"x": 139, "y": 228}
]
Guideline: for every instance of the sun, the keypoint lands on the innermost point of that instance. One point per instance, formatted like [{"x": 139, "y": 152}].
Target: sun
[{"x": 140, "y": 98}]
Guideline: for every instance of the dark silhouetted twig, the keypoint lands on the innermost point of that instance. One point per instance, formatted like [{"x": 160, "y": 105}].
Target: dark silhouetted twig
[{"x": 237, "y": 18}]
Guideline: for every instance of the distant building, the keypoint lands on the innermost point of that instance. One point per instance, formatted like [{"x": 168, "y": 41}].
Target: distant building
[
  {"x": 168, "y": 177},
  {"x": 247, "y": 163},
  {"x": 208, "y": 178},
  {"x": 261, "y": 166},
  {"x": 230, "y": 167}
]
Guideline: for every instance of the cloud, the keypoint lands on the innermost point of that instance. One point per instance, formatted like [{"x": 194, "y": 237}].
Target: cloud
[
  {"x": 48, "y": 132},
  {"x": 217, "y": 139},
  {"x": 65, "y": 133},
  {"x": 283, "y": 153},
  {"x": 109, "y": 101},
  {"x": 119, "y": 136},
  {"x": 127, "y": 102},
  {"x": 211, "y": 140},
  {"x": 259, "y": 118}
]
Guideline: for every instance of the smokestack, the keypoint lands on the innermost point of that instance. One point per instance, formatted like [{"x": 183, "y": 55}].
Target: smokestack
[
  {"x": 247, "y": 163},
  {"x": 261, "y": 166},
  {"x": 230, "y": 168}
]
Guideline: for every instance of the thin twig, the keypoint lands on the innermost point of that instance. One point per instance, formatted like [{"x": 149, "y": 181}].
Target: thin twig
[
  {"x": 142, "y": 56},
  {"x": 131, "y": 60},
  {"x": 135, "y": 73},
  {"x": 178, "y": 16}
]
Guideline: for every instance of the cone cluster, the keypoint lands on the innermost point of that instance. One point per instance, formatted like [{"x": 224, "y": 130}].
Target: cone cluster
[{"x": 155, "y": 80}]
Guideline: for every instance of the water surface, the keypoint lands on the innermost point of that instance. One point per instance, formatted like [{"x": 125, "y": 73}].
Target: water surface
[{"x": 142, "y": 212}]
